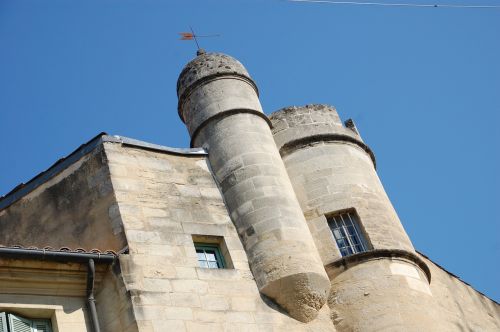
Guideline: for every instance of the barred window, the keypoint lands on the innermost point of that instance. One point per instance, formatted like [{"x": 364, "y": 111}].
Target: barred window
[{"x": 347, "y": 233}]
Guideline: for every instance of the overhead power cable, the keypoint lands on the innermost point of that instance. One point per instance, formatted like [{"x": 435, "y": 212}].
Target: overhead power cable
[{"x": 392, "y": 4}]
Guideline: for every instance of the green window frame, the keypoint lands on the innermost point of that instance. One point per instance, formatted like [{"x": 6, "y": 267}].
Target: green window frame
[
  {"x": 209, "y": 256},
  {"x": 13, "y": 323}
]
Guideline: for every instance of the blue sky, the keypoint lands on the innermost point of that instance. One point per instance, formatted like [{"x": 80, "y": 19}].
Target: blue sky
[{"x": 422, "y": 84}]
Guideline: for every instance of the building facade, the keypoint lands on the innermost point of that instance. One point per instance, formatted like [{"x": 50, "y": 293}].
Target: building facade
[{"x": 267, "y": 223}]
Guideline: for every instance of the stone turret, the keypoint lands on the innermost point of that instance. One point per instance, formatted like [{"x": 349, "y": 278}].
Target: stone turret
[
  {"x": 219, "y": 103},
  {"x": 381, "y": 283},
  {"x": 332, "y": 169}
]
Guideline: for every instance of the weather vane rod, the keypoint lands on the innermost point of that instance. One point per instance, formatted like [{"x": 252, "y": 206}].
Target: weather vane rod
[{"x": 192, "y": 36}]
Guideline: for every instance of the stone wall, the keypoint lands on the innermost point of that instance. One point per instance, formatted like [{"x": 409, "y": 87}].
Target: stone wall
[
  {"x": 68, "y": 210},
  {"x": 114, "y": 303},
  {"x": 163, "y": 201},
  {"x": 359, "y": 301},
  {"x": 383, "y": 294},
  {"x": 461, "y": 307}
]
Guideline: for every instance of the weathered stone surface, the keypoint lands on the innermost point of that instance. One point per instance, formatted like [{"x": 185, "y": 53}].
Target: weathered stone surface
[
  {"x": 67, "y": 211},
  {"x": 373, "y": 297},
  {"x": 161, "y": 272},
  {"x": 114, "y": 307},
  {"x": 224, "y": 116},
  {"x": 207, "y": 65},
  {"x": 459, "y": 306}
]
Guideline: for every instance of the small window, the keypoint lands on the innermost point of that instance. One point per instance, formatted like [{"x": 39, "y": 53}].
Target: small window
[
  {"x": 212, "y": 252},
  {"x": 13, "y": 323},
  {"x": 347, "y": 234},
  {"x": 209, "y": 256}
]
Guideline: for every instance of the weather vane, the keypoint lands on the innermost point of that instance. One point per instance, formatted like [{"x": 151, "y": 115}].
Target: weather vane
[{"x": 192, "y": 36}]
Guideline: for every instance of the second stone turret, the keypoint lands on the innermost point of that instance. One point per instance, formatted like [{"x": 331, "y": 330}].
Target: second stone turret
[{"x": 378, "y": 282}]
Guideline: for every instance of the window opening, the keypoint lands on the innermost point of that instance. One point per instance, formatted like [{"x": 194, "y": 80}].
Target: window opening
[
  {"x": 209, "y": 256},
  {"x": 347, "y": 234},
  {"x": 13, "y": 323}
]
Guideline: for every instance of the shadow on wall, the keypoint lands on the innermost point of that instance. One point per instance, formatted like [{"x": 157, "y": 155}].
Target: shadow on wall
[{"x": 271, "y": 304}]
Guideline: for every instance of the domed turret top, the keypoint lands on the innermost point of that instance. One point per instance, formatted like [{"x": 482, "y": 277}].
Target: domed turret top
[{"x": 207, "y": 65}]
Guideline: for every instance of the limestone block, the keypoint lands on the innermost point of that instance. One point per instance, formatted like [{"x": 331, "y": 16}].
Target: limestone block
[
  {"x": 241, "y": 303},
  {"x": 168, "y": 325},
  {"x": 239, "y": 317},
  {"x": 243, "y": 327},
  {"x": 181, "y": 313},
  {"x": 214, "y": 302},
  {"x": 155, "y": 284},
  {"x": 185, "y": 272},
  {"x": 203, "y": 327},
  {"x": 191, "y": 300},
  {"x": 190, "y": 286}
]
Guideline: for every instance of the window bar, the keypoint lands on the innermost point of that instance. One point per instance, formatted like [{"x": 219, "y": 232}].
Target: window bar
[
  {"x": 345, "y": 235},
  {"x": 206, "y": 258},
  {"x": 348, "y": 236},
  {"x": 360, "y": 239}
]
